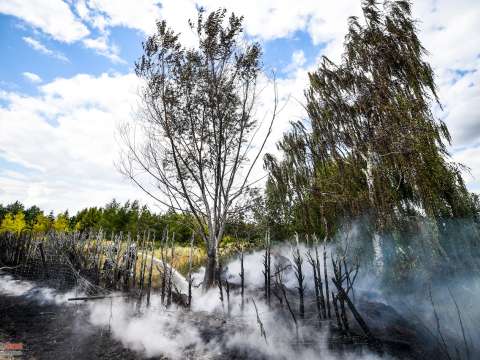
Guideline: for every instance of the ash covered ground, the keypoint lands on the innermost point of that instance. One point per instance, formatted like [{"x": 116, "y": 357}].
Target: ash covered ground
[
  {"x": 50, "y": 326},
  {"x": 54, "y": 331}
]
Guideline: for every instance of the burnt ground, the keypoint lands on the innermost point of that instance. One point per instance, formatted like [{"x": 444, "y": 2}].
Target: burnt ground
[
  {"x": 50, "y": 331},
  {"x": 58, "y": 331}
]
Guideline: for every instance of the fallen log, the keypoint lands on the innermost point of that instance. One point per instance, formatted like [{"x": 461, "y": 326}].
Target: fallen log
[{"x": 86, "y": 298}]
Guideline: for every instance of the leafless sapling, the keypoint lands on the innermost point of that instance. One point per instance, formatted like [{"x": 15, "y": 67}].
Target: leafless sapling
[
  {"x": 150, "y": 271},
  {"x": 170, "y": 274},
  {"x": 163, "y": 253},
  {"x": 320, "y": 283},
  {"x": 363, "y": 325},
  {"x": 325, "y": 274},
  {"x": 281, "y": 286},
  {"x": 143, "y": 264},
  {"x": 337, "y": 270},
  {"x": 337, "y": 314},
  {"x": 242, "y": 279},
  {"x": 312, "y": 263},
  {"x": 190, "y": 279},
  {"x": 298, "y": 269},
  {"x": 260, "y": 324},
  {"x": 267, "y": 257}
]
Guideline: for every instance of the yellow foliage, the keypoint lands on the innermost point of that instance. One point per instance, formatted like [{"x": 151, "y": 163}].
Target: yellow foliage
[
  {"x": 42, "y": 224},
  {"x": 61, "y": 223},
  {"x": 13, "y": 223}
]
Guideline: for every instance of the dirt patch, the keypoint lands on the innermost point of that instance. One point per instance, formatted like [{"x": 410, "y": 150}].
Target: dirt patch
[{"x": 50, "y": 331}]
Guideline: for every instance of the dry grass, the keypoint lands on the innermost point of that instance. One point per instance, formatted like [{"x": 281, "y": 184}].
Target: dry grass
[
  {"x": 180, "y": 258},
  {"x": 180, "y": 262}
]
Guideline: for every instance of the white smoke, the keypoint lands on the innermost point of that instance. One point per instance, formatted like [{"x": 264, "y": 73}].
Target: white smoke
[
  {"x": 155, "y": 331},
  {"x": 212, "y": 329},
  {"x": 44, "y": 295}
]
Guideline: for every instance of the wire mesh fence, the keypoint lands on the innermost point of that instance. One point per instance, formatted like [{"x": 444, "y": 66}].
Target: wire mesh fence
[{"x": 92, "y": 260}]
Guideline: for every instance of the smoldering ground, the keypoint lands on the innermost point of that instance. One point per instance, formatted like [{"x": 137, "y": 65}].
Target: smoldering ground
[
  {"x": 48, "y": 327},
  {"x": 209, "y": 330},
  {"x": 430, "y": 279},
  {"x": 432, "y": 319}
]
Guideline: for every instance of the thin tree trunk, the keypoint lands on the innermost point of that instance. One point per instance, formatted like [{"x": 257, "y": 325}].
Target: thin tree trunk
[
  {"x": 320, "y": 284},
  {"x": 298, "y": 261},
  {"x": 337, "y": 315},
  {"x": 325, "y": 274},
  {"x": 376, "y": 239},
  {"x": 190, "y": 272},
  {"x": 211, "y": 266},
  {"x": 163, "y": 252},
  {"x": 170, "y": 277},
  {"x": 242, "y": 279},
  {"x": 315, "y": 284},
  {"x": 266, "y": 271},
  {"x": 150, "y": 272}
]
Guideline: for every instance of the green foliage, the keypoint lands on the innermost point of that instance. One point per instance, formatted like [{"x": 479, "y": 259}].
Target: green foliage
[
  {"x": 15, "y": 208},
  {"x": 371, "y": 145},
  {"x": 31, "y": 214},
  {"x": 179, "y": 224},
  {"x": 87, "y": 219}
]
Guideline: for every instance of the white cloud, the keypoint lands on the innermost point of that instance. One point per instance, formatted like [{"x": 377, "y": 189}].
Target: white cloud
[
  {"x": 461, "y": 99},
  {"x": 450, "y": 32},
  {"x": 53, "y": 17},
  {"x": 88, "y": 15},
  {"x": 325, "y": 21},
  {"x": 65, "y": 139},
  {"x": 139, "y": 14},
  {"x": 298, "y": 60},
  {"x": 32, "y": 77},
  {"x": 102, "y": 47},
  {"x": 471, "y": 158},
  {"x": 37, "y": 45}
]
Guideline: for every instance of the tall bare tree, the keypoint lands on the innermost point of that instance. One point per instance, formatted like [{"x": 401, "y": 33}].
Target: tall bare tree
[{"x": 201, "y": 135}]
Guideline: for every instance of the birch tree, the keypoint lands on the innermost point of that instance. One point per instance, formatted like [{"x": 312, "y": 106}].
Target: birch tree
[
  {"x": 203, "y": 135},
  {"x": 372, "y": 143}
]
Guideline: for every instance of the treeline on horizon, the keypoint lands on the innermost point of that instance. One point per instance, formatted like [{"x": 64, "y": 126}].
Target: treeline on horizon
[{"x": 128, "y": 218}]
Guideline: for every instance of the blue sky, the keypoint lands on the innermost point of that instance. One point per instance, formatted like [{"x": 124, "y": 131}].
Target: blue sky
[
  {"x": 66, "y": 81},
  {"x": 66, "y": 60}
]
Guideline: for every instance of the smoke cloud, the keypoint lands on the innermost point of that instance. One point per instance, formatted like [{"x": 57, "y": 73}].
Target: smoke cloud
[{"x": 441, "y": 316}]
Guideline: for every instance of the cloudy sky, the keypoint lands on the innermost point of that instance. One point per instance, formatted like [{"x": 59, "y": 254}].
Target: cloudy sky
[{"x": 66, "y": 81}]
